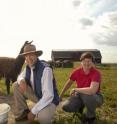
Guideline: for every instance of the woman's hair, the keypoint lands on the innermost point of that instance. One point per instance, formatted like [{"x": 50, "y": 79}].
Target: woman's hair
[{"x": 87, "y": 55}]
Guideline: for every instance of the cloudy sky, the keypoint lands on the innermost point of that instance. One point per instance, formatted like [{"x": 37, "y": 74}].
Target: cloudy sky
[{"x": 59, "y": 24}]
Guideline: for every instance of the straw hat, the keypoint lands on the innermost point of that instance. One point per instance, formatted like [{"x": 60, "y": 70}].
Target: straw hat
[{"x": 31, "y": 49}]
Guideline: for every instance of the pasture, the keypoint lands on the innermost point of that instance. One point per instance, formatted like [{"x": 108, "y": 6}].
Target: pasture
[{"x": 107, "y": 114}]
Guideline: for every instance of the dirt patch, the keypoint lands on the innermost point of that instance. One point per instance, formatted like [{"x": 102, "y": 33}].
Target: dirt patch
[
  {"x": 10, "y": 100},
  {"x": 11, "y": 118}
]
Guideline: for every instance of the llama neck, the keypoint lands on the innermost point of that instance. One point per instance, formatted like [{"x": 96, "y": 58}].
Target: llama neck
[{"x": 19, "y": 63}]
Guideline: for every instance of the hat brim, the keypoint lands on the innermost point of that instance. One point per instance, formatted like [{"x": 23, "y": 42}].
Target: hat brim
[{"x": 38, "y": 53}]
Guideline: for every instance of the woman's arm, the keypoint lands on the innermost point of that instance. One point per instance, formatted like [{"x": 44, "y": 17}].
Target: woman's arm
[
  {"x": 88, "y": 90},
  {"x": 66, "y": 87}
]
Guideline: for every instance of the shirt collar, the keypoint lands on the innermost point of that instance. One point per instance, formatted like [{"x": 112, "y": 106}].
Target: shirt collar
[{"x": 82, "y": 71}]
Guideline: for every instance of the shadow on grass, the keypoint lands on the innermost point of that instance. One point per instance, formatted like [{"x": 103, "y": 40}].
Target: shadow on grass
[
  {"x": 65, "y": 118},
  {"x": 73, "y": 121}
]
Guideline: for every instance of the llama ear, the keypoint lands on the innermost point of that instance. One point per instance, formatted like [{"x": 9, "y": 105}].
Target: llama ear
[
  {"x": 30, "y": 42},
  {"x": 26, "y": 42}
]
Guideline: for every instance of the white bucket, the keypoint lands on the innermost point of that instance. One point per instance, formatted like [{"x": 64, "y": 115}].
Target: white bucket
[{"x": 4, "y": 109}]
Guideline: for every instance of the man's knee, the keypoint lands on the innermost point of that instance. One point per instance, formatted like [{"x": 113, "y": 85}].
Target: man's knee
[
  {"x": 15, "y": 86},
  {"x": 46, "y": 115},
  {"x": 44, "y": 120}
]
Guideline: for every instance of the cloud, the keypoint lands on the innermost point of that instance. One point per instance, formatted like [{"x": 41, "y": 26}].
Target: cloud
[
  {"x": 99, "y": 20},
  {"x": 95, "y": 8},
  {"x": 76, "y": 3},
  {"x": 86, "y": 21},
  {"x": 104, "y": 30}
]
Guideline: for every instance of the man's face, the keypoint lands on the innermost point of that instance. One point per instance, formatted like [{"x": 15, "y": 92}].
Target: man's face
[
  {"x": 87, "y": 63},
  {"x": 31, "y": 59}
]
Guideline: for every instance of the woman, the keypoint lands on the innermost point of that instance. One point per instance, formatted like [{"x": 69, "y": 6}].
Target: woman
[{"x": 87, "y": 93}]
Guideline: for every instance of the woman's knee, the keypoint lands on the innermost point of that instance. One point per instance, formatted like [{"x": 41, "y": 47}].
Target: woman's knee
[{"x": 67, "y": 106}]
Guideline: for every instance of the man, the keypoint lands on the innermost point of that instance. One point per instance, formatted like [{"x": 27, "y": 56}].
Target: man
[
  {"x": 87, "y": 94},
  {"x": 36, "y": 83}
]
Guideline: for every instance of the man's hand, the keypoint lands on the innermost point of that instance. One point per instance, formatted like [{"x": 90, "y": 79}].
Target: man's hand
[
  {"x": 22, "y": 86},
  {"x": 31, "y": 116}
]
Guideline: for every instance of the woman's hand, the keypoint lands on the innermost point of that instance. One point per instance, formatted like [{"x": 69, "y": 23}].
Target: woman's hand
[{"x": 73, "y": 92}]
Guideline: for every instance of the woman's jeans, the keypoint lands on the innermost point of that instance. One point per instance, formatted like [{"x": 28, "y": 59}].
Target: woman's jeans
[{"x": 78, "y": 102}]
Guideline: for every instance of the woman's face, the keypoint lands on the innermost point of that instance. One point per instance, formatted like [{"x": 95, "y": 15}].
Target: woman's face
[
  {"x": 31, "y": 59},
  {"x": 87, "y": 64}
]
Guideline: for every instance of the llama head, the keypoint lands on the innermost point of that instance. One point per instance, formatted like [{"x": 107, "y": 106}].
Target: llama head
[
  {"x": 19, "y": 61},
  {"x": 26, "y": 43}
]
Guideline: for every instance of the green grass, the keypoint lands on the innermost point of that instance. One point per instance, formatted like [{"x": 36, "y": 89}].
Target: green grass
[{"x": 107, "y": 114}]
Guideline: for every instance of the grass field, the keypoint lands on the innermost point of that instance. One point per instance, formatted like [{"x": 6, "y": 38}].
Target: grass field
[{"x": 107, "y": 114}]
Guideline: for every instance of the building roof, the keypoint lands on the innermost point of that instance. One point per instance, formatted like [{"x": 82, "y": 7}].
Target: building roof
[
  {"x": 72, "y": 54},
  {"x": 57, "y": 50}
]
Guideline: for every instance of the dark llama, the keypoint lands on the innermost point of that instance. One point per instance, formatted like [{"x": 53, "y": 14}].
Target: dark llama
[{"x": 11, "y": 67}]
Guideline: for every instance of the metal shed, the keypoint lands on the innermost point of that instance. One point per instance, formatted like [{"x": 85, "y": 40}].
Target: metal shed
[{"x": 74, "y": 54}]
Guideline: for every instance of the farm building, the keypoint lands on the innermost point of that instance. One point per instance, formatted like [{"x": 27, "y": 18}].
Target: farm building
[{"x": 74, "y": 54}]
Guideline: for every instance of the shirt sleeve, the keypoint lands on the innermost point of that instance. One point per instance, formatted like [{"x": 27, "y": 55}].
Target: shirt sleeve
[
  {"x": 47, "y": 91},
  {"x": 97, "y": 77},
  {"x": 21, "y": 76},
  {"x": 73, "y": 75}
]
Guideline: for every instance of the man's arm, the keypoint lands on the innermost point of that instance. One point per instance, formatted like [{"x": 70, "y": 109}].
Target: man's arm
[
  {"x": 21, "y": 81},
  {"x": 47, "y": 91},
  {"x": 21, "y": 76}
]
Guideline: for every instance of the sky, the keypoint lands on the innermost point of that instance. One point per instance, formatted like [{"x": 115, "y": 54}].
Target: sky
[{"x": 59, "y": 24}]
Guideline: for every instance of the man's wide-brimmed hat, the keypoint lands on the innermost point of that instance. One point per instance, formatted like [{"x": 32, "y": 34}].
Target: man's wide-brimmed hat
[{"x": 31, "y": 49}]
